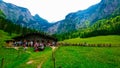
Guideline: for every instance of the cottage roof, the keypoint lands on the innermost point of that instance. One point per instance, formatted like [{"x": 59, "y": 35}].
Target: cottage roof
[{"x": 35, "y": 34}]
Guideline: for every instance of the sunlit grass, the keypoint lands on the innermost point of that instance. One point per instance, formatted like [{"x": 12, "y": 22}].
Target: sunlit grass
[
  {"x": 65, "y": 56},
  {"x": 12, "y": 57},
  {"x": 110, "y": 39},
  {"x": 19, "y": 58},
  {"x": 85, "y": 57},
  {"x": 37, "y": 58}
]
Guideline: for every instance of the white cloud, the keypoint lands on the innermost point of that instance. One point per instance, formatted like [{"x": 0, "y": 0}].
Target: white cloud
[{"x": 53, "y": 10}]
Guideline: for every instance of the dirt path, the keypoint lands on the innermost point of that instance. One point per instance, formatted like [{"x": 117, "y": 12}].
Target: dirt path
[
  {"x": 30, "y": 62},
  {"x": 53, "y": 48},
  {"x": 44, "y": 57},
  {"x": 40, "y": 65}
]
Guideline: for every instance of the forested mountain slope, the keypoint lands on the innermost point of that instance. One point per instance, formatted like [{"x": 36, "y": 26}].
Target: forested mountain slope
[{"x": 109, "y": 26}]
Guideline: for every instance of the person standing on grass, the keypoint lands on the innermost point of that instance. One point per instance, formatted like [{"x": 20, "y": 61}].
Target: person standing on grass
[
  {"x": 31, "y": 43},
  {"x": 36, "y": 46},
  {"x": 53, "y": 43},
  {"x": 25, "y": 44},
  {"x": 41, "y": 46}
]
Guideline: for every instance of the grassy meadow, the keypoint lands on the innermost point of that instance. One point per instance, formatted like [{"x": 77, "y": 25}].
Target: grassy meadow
[
  {"x": 65, "y": 56},
  {"x": 85, "y": 57},
  {"x": 12, "y": 57},
  {"x": 23, "y": 59},
  {"x": 88, "y": 57},
  {"x": 109, "y": 39}
]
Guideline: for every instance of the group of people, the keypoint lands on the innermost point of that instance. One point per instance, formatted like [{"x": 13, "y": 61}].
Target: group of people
[{"x": 38, "y": 45}]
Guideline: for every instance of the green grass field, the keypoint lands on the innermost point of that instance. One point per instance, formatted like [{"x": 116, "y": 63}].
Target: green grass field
[
  {"x": 65, "y": 56},
  {"x": 110, "y": 39},
  {"x": 85, "y": 57},
  {"x": 24, "y": 59},
  {"x": 36, "y": 58},
  {"x": 88, "y": 57},
  {"x": 12, "y": 57}
]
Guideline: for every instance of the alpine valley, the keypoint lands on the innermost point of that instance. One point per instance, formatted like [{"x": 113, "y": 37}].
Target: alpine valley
[
  {"x": 81, "y": 19},
  {"x": 87, "y": 38}
]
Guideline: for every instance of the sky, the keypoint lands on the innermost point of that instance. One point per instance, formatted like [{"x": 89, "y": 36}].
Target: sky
[{"x": 53, "y": 10}]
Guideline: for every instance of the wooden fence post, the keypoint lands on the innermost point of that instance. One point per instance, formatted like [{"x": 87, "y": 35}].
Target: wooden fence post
[
  {"x": 2, "y": 63},
  {"x": 53, "y": 58}
]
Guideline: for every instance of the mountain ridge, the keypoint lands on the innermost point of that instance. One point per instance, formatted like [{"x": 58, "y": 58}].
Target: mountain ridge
[
  {"x": 73, "y": 21},
  {"x": 22, "y": 16},
  {"x": 84, "y": 18}
]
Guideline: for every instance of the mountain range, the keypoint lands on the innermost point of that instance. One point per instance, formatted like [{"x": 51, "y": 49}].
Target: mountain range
[
  {"x": 85, "y": 18},
  {"x": 73, "y": 21},
  {"x": 22, "y": 16}
]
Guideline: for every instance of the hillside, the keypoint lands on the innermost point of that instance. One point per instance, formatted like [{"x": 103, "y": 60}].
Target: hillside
[
  {"x": 4, "y": 36},
  {"x": 110, "y": 26},
  {"x": 22, "y": 16},
  {"x": 110, "y": 39}
]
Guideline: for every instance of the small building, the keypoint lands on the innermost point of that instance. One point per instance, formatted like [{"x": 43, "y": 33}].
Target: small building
[{"x": 33, "y": 37}]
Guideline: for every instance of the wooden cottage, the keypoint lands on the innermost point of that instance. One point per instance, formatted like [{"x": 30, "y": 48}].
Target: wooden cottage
[
  {"x": 39, "y": 37},
  {"x": 35, "y": 36}
]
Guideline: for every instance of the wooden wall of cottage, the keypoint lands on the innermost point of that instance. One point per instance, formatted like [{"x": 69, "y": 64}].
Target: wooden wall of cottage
[
  {"x": 31, "y": 37},
  {"x": 39, "y": 38}
]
